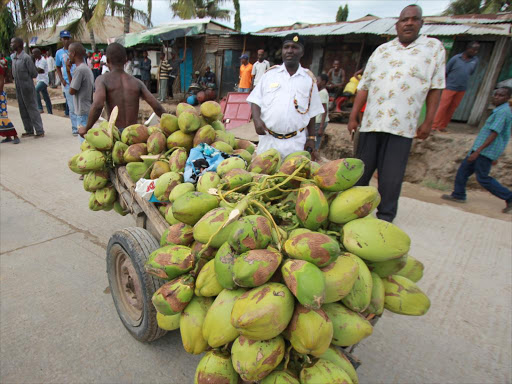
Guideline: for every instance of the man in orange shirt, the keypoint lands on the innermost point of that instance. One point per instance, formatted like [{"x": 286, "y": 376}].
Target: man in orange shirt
[{"x": 244, "y": 85}]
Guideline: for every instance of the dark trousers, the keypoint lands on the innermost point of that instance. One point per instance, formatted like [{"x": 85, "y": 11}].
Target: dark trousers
[
  {"x": 388, "y": 154},
  {"x": 66, "y": 106},
  {"x": 481, "y": 166},
  {"x": 42, "y": 89},
  {"x": 96, "y": 72},
  {"x": 171, "y": 83}
]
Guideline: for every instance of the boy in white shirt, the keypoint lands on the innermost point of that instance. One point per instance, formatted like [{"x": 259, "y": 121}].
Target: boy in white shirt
[
  {"x": 51, "y": 69},
  {"x": 42, "y": 81},
  {"x": 323, "y": 118}
]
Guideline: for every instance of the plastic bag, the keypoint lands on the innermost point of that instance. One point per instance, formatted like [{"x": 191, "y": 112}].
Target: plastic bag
[
  {"x": 144, "y": 188},
  {"x": 202, "y": 158}
]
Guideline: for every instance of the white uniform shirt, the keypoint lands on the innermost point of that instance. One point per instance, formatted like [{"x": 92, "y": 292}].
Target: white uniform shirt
[
  {"x": 398, "y": 79},
  {"x": 104, "y": 69},
  {"x": 42, "y": 64},
  {"x": 51, "y": 64},
  {"x": 259, "y": 69},
  {"x": 275, "y": 95}
]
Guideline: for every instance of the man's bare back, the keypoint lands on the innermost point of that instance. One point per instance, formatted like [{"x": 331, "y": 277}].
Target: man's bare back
[
  {"x": 124, "y": 91},
  {"x": 117, "y": 88}
]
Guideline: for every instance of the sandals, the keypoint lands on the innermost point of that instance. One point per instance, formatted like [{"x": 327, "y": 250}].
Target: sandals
[{"x": 26, "y": 134}]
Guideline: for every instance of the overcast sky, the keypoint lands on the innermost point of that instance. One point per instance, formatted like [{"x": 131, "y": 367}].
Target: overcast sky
[{"x": 258, "y": 14}]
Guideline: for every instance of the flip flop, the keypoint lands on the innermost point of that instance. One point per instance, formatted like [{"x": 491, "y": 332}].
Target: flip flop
[{"x": 6, "y": 140}]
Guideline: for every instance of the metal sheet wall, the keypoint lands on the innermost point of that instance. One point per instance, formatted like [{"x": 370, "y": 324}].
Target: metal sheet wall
[{"x": 464, "y": 110}]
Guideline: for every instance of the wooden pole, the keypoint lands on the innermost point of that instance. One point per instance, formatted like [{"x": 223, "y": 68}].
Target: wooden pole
[
  {"x": 185, "y": 66},
  {"x": 488, "y": 82},
  {"x": 360, "y": 55},
  {"x": 245, "y": 40}
]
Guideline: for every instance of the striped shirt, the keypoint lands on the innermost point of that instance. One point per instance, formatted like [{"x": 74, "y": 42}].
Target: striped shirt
[
  {"x": 164, "y": 70},
  {"x": 500, "y": 122}
]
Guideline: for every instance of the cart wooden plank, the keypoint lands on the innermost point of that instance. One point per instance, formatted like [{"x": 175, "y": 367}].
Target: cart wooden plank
[{"x": 146, "y": 213}]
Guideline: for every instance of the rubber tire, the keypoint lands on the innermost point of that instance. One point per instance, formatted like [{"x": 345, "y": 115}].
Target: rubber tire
[{"x": 138, "y": 244}]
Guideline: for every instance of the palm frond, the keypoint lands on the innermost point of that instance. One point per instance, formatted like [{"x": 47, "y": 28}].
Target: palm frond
[
  {"x": 98, "y": 15},
  {"x": 76, "y": 27},
  {"x": 135, "y": 14},
  {"x": 51, "y": 16},
  {"x": 184, "y": 9}
]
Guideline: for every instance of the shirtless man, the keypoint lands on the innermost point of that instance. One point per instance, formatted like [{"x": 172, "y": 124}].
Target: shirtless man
[{"x": 118, "y": 88}]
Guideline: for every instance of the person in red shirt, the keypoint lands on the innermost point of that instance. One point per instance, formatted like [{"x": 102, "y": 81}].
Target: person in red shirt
[
  {"x": 244, "y": 85},
  {"x": 96, "y": 66}
]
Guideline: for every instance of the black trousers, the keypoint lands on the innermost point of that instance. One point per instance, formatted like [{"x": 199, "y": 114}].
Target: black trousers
[
  {"x": 171, "y": 83},
  {"x": 388, "y": 154}
]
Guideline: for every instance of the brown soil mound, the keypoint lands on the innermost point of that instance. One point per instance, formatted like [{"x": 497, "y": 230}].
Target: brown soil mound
[{"x": 432, "y": 162}]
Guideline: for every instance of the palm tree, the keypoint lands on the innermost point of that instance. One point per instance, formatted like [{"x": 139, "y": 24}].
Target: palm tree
[
  {"x": 91, "y": 11},
  {"x": 7, "y": 28},
  {"x": 23, "y": 10},
  {"x": 190, "y": 9},
  {"x": 128, "y": 13},
  {"x": 462, "y": 7},
  {"x": 238, "y": 20}
]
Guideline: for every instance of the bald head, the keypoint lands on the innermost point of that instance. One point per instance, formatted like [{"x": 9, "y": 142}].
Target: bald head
[
  {"x": 78, "y": 49},
  {"x": 116, "y": 54}
]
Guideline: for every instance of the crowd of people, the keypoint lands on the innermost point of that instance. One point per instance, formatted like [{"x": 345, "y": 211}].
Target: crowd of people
[{"x": 289, "y": 104}]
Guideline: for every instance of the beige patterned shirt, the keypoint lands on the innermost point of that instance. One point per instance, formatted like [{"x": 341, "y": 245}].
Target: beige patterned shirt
[{"x": 398, "y": 79}]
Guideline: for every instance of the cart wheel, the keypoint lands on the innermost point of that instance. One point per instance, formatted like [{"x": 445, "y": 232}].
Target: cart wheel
[{"x": 131, "y": 287}]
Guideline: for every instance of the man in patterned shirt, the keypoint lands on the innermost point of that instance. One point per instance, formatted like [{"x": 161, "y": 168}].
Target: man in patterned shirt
[
  {"x": 489, "y": 145},
  {"x": 399, "y": 77}
]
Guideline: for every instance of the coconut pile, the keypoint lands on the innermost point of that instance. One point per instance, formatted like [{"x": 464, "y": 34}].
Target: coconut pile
[{"x": 270, "y": 267}]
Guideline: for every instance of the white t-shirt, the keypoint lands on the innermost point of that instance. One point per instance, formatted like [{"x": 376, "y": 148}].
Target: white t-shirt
[
  {"x": 259, "y": 69},
  {"x": 51, "y": 64},
  {"x": 42, "y": 64},
  {"x": 105, "y": 67},
  {"x": 324, "y": 97}
]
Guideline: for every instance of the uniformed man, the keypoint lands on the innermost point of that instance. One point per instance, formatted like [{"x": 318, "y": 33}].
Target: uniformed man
[{"x": 285, "y": 102}]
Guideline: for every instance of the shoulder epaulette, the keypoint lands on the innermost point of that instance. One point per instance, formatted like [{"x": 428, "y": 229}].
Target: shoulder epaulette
[
  {"x": 273, "y": 67},
  {"x": 311, "y": 74}
]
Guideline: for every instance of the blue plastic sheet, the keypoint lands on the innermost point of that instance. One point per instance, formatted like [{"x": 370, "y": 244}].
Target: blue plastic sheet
[{"x": 212, "y": 156}]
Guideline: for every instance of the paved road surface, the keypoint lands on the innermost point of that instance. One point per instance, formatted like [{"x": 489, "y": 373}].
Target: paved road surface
[{"x": 57, "y": 324}]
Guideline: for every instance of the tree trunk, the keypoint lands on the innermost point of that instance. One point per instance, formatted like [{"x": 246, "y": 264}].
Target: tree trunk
[
  {"x": 93, "y": 42},
  {"x": 126, "y": 15},
  {"x": 23, "y": 14}
]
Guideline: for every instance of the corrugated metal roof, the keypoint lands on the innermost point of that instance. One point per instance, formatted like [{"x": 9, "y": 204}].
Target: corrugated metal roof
[
  {"x": 443, "y": 29},
  {"x": 472, "y": 19},
  {"x": 495, "y": 29},
  {"x": 380, "y": 27},
  {"x": 386, "y": 26}
]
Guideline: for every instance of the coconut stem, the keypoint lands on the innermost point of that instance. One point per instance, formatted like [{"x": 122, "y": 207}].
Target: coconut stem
[
  {"x": 158, "y": 158},
  {"x": 269, "y": 216},
  {"x": 287, "y": 357},
  {"x": 234, "y": 215},
  {"x": 288, "y": 178}
]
